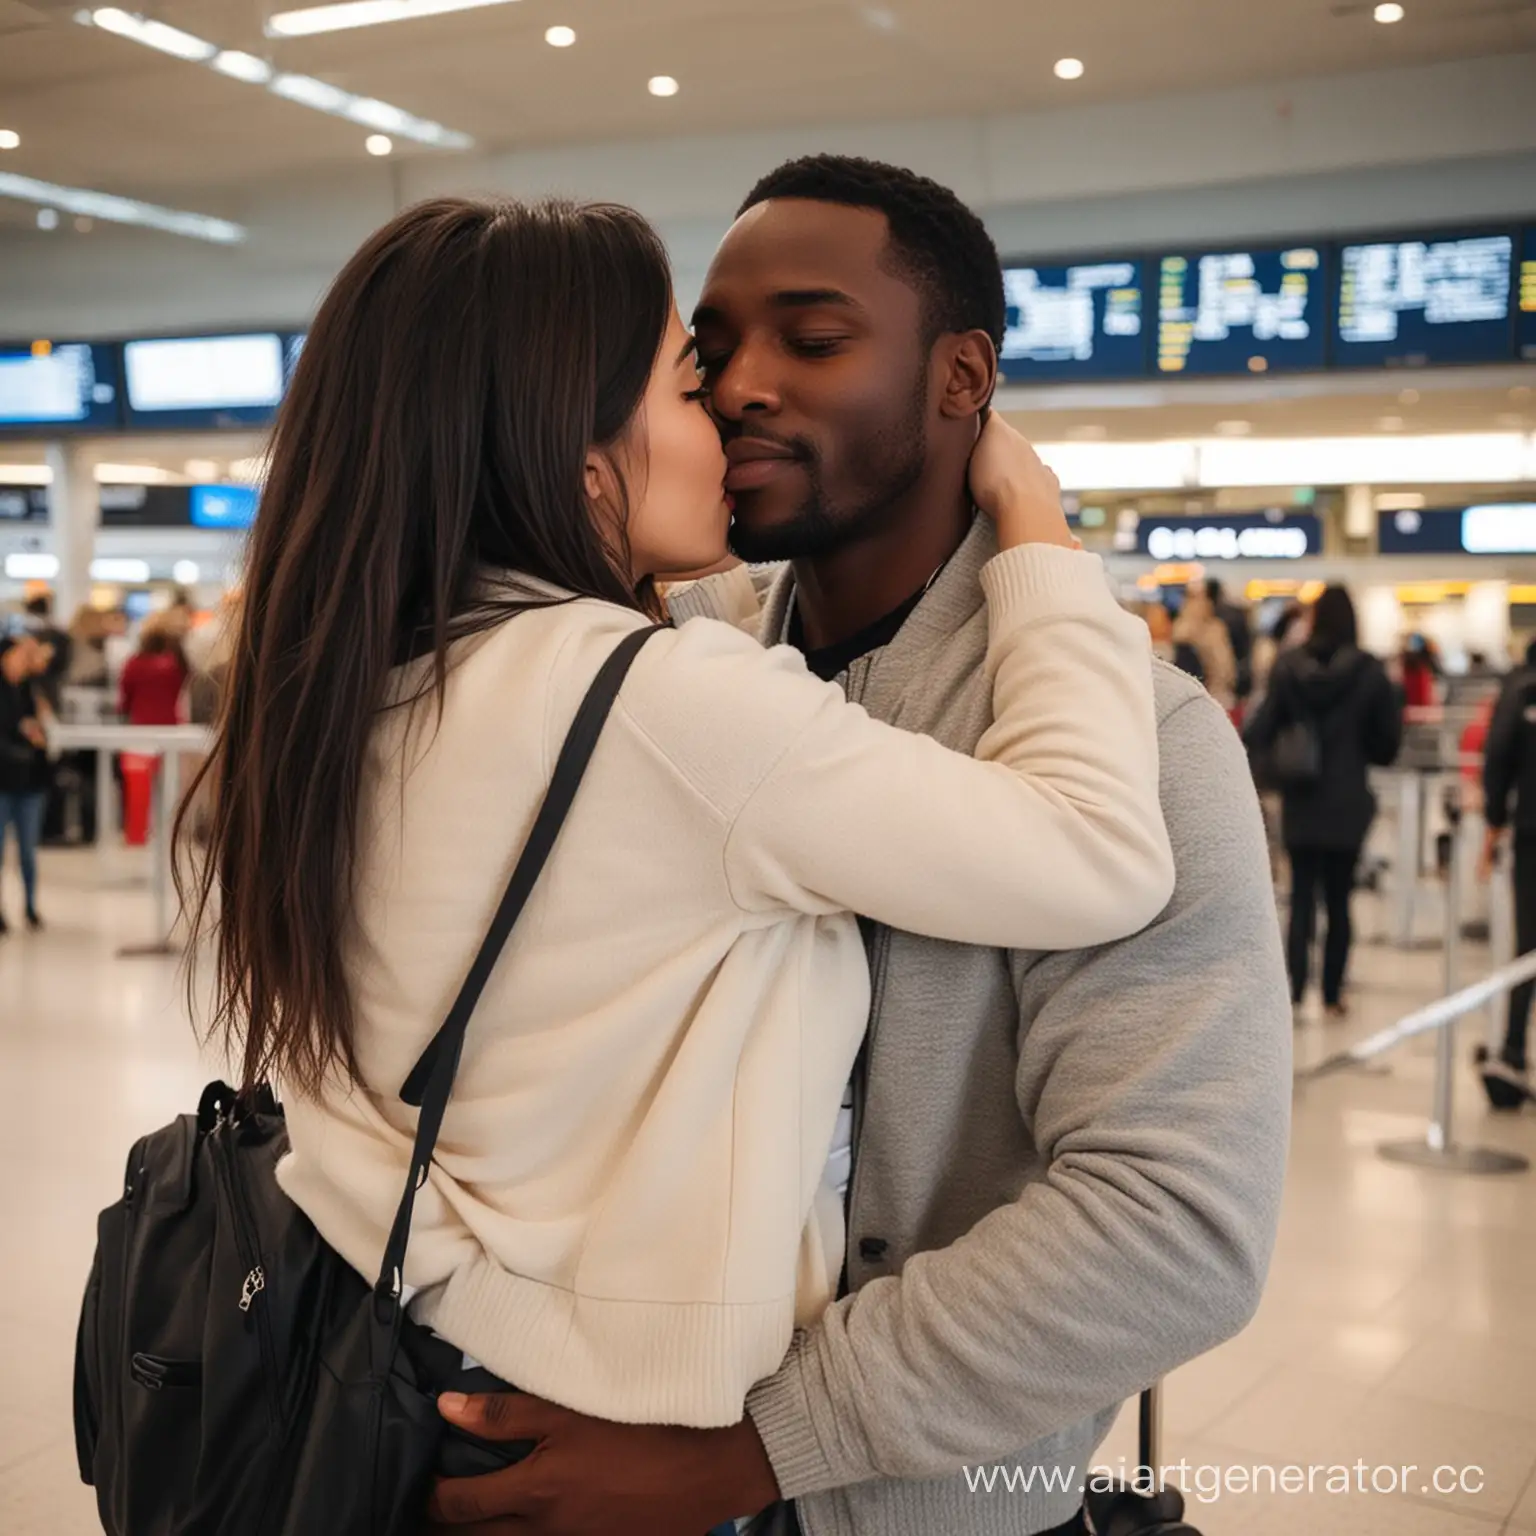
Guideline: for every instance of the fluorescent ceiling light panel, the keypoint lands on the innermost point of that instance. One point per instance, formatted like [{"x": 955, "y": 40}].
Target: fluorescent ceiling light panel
[
  {"x": 364, "y": 13},
  {"x": 132, "y": 474},
  {"x": 302, "y": 90},
  {"x": 25, "y": 474},
  {"x": 29, "y": 567},
  {"x": 243, "y": 66},
  {"x": 153, "y": 34},
  {"x": 112, "y": 569},
  {"x": 120, "y": 210}
]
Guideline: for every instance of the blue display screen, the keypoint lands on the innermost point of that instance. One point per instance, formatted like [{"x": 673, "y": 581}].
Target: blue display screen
[
  {"x": 1495, "y": 528},
  {"x": 204, "y": 381},
  {"x": 58, "y": 386},
  {"x": 223, "y": 506},
  {"x": 1085, "y": 321},
  {"x": 1440, "y": 299},
  {"x": 1242, "y": 311},
  {"x": 1525, "y": 297}
]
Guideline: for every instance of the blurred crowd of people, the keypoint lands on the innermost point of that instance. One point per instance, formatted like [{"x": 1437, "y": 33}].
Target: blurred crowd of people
[
  {"x": 1317, "y": 713},
  {"x": 159, "y": 671}
]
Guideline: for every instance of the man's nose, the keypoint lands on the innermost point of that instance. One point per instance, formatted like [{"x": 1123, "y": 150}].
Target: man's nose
[{"x": 745, "y": 386}]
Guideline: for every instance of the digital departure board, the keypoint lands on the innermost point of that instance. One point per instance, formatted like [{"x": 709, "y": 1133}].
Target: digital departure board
[
  {"x": 222, "y": 506},
  {"x": 1242, "y": 311},
  {"x": 204, "y": 381},
  {"x": 1500, "y": 528},
  {"x": 1441, "y": 299},
  {"x": 1075, "y": 322},
  {"x": 58, "y": 386},
  {"x": 1525, "y": 297}
]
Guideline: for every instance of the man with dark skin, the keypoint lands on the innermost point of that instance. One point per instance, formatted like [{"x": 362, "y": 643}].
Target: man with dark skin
[{"x": 1074, "y": 1161}]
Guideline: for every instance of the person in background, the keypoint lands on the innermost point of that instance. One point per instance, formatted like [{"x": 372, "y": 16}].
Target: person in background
[
  {"x": 1419, "y": 669},
  {"x": 1238, "y": 632},
  {"x": 88, "y": 654},
  {"x": 24, "y": 771},
  {"x": 1341, "y": 694},
  {"x": 1287, "y": 630},
  {"x": 151, "y": 684},
  {"x": 1509, "y": 773},
  {"x": 60, "y": 647},
  {"x": 1160, "y": 624},
  {"x": 1203, "y": 631}
]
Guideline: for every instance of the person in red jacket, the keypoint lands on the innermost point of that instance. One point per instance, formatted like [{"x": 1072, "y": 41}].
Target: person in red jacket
[
  {"x": 150, "y": 690},
  {"x": 148, "y": 694}
]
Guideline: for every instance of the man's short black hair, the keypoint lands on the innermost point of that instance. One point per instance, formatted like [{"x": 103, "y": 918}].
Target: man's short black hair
[
  {"x": 40, "y": 607},
  {"x": 938, "y": 244}
]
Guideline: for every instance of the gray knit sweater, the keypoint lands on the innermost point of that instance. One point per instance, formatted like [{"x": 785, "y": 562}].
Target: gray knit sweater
[{"x": 1068, "y": 1166}]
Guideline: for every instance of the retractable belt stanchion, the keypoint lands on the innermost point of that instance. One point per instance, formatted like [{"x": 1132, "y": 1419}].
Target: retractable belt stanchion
[{"x": 1438, "y": 1149}]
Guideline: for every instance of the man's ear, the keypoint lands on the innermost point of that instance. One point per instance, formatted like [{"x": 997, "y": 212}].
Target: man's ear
[{"x": 969, "y": 379}]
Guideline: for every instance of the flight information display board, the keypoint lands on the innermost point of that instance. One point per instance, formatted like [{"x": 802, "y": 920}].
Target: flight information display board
[
  {"x": 58, "y": 386},
  {"x": 1083, "y": 321},
  {"x": 1525, "y": 297},
  {"x": 1442, "y": 299},
  {"x": 1242, "y": 311},
  {"x": 223, "y": 506},
  {"x": 204, "y": 381},
  {"x": 1500, "y": 528}
]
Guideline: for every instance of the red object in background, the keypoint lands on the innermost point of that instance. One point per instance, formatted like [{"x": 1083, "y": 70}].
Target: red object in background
[
  {"x": 139, "y": 772},
  {"x": 1474, "y": 741},
  {"x": 150, "y": 691},
  {"x": 1418, "y": 683}
]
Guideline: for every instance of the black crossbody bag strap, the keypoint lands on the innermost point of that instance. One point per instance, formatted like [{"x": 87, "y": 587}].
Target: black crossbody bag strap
[{"x": 431, "y": 1079}]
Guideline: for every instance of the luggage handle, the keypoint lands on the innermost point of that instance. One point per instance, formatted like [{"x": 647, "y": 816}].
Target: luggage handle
[{"x": 431, "y": 1080}]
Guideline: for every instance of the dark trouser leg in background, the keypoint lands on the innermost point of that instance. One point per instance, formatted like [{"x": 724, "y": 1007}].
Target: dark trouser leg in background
[
  {"x": 7, "y": 813},
  {"x": 27, "y": 816},
  {"x": 1338, "y": 869},
  {"x": 1305, "y": 874},
  {"x": 1525, "y": 941}
]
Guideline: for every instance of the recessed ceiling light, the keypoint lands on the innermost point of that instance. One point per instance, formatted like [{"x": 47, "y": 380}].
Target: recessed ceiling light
[
  {"x": 662, "y": 85},
  {"x": 115, "y": 210},
  {"x": 1389, "y": 423},
  {"x": 1234, "y": 428},
  {"x": 378, "y": 144},
  {"x": 84, "y": 224},
  {"x": 200, "y": 469},
  {"x": 363, "y": 13},
  {"x": 186, "y": 573},
  {"x": 9, "y": 139},
  {"x": 1069, "y": 69},
  {"x": 878, "y": 17},
  {"x": 153, "y": 34},
  {"x": 242, "y": 66},
  {"x": 560, "y": 37},
  {"x": 1388, "y": 12},
  {"x": 1408, "y": 397}
]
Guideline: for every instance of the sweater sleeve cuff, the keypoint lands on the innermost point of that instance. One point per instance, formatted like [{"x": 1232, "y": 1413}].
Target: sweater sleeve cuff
[
  {"x": 1032, "y": 573},
  {"x": 729, "y": 596},
  {"x": 780, "y": 1410}
]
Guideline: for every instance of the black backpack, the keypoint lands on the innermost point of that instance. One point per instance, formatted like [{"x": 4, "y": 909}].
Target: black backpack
[{"x": 233, "y": 1374}]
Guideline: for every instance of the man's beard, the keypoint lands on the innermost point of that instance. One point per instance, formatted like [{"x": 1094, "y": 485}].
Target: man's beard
[{"x": 884, "y": 468}]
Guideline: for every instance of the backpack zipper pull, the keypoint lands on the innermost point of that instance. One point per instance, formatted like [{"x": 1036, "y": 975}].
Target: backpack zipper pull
[{"x": 255, "y": 1282}]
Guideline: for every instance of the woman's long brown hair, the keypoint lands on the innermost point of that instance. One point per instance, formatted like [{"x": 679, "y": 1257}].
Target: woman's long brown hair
[{"x": 459, "y": 371}]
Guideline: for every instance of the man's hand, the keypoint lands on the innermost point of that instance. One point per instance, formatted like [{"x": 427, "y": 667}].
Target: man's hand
[
  {"x": 34, "y": 732},
  {"x": 587, "y": 1477}
]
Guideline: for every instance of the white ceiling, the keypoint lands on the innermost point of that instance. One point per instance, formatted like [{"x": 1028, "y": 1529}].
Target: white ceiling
[{"x": 96, "y": 110}]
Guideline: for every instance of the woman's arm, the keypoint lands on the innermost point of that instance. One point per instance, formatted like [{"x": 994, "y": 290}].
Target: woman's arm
[
  {"x": 1051, "y": 838},
  {"x": 1384, "y": 721}
]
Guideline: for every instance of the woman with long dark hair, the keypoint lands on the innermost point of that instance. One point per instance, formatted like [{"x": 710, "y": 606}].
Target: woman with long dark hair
[
  {"x": 1339, "y": 699},
  {"x": 493, "y": 444}
]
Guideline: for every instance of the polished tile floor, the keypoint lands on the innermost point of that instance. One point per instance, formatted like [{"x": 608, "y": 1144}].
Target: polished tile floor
[{"x": 1399, "y": 1325}]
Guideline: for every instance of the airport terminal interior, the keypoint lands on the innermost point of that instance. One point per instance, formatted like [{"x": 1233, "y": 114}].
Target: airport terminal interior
[{"x": 1270, "y": 283}]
